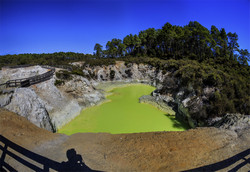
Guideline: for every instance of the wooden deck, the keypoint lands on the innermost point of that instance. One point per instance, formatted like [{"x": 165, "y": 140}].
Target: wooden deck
[{"x": 26, "y": 82}]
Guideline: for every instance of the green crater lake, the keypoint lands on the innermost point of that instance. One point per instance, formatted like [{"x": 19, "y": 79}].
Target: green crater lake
[{"x": 123, "y": 114}]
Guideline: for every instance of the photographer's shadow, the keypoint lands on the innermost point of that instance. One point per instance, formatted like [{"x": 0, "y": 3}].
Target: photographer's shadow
[{"x": 74, "y": 163}]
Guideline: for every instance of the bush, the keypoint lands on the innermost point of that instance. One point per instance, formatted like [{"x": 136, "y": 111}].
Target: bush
[
  {"x": 100, "y": 62},
  {"x": 58, "y": 82},
  {"x": 78, "y": 72},
  {"x": 112, "y": 74},
  {"x": 129, "y": 73},
  {"x": 64, "y": 75}
]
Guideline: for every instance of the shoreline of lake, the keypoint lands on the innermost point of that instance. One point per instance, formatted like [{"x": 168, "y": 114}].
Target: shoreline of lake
[{"x": 102, "y": 118}]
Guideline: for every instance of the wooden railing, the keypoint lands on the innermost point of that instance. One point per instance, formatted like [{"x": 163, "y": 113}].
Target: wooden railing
[
  {"x": 25, "y": 82},
  {"x": 45, "y": 162},
  {"x": 17, "y": 66},
  {"x": 37, "y": 162},
  {"x": 67, "y": 67}
]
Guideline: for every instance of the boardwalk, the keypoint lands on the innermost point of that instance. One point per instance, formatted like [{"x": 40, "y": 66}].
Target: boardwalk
[{"x": 26, "y": 82}]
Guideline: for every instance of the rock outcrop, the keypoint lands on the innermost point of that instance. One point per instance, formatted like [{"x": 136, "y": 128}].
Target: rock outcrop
[
  {"x": 65, "y": 102},
  {"x": 188, "y": 103},
  {"x": 233, "y": 122},
  {"x": 157, "y": 102},
  {"x": 120, "y": 71},
  {"x": 44, "y": 104},
  {"x": 26, "y": 103},
  {"x": 19, "y": 73}
]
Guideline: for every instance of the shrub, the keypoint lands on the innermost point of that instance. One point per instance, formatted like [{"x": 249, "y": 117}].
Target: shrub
[
  {"x": 129, "y": 73},
  {"x": 58, "y": 82},
  {"x": 64, "y": 75},
  {"x": 112, "y": 74}
]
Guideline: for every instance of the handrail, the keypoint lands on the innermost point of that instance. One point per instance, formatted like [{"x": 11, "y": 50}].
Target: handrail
[
  {"x": 25, "y": 82},
  {"x": 47, "y": 163},
  {"x": 68, "y": 67},
  {"x": 17, "y": 66},
  {"x": 27, "y": 158}
]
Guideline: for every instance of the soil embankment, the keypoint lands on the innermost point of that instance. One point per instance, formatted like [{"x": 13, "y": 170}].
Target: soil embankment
[{"x": 155, "y": 151}]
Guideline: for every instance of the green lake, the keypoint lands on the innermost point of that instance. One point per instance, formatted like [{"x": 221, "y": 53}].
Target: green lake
[{"x": 123, "y": 114}]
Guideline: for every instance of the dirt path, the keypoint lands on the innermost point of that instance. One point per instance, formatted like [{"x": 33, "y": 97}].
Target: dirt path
[{"x": 156, "y": 151}]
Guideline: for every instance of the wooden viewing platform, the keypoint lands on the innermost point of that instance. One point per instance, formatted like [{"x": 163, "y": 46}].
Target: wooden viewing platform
[{"x": 26, "y": 82}]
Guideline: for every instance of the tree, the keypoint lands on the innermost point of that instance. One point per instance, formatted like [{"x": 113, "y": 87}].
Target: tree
[
  {"x": 224, "y": 42},
  {"x": 114, "y": 48},
  {"x": 216, "y": 39},
  {"x": 243, "y": 57},
  {"x": 151, "y": 41},
  {"x": 232, "y": 44},
  {"x": 121, "y": 49},
  {"x": 128, "y": 41},
  {"x": 192, "y": 41},
  {"x": 98, "y": 49},
  {"x": 179, "y": 41},
  {"x": 137, "y": 44},
  {"x": 166, "y": 38},
  {"x": 143, "y": 38},
  {"x": 198, "y": 40}
]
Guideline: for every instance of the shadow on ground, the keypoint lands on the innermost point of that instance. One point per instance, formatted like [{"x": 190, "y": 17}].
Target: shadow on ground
[
  {"x": 226, "y": 163},
  {"x": 74, "y": 163}
]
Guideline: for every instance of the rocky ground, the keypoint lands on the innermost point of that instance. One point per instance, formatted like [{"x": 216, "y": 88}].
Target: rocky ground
[{"x": 156, "y": 151}]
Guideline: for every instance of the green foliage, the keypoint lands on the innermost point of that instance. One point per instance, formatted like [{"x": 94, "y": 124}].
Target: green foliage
[
  {"x": 244, "y": 57},
  {"x": 230, "y": 79},
  {"x": 100, "y": 62},
  {"x": 193, "y": 41},
  {"x": 64, "y": 75},
  {"x": 115, "y": 48},
  {"x": 129, "y": 73},
  {"x": 60, "y": 58},
  {"x": 112, "y": 74},
  {"x": 98, "y": 49},
  {"x": 59, "y": 82},
  {"x": 193, "y": 54},
  {"x": 78, "y": 71}
]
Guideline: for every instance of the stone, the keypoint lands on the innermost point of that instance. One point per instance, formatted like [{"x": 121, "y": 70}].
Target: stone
[
  {"x": 233, "y": 122},
  {"x": 5, "y": 99},
  {"x": 26, "y": 103}
]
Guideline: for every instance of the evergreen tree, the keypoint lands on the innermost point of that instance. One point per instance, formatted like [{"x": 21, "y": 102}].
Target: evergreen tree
[
  {"x": 232, "y": 44},
  {"x": 244, "y": 57},
  {"x": 98, "y": 49}
]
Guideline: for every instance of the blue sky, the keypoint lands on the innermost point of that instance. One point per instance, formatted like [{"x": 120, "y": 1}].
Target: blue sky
[{"x": 47, "y": 26}]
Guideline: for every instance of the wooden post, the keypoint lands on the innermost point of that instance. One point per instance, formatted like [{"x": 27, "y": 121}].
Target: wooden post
[{"x": 3, "y": 156}]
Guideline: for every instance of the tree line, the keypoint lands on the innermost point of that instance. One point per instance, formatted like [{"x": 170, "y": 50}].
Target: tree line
[
  {"x": 192, "y": 41},
  {"x": 58, "y": 58}
]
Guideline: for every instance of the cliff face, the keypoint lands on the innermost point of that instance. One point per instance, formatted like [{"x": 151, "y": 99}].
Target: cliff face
[
  {"x": 190, "y": 104},
  {"x": 184, "y": 99},
  {"x": 49, "y": 106},
  {"x": 122, "y": 72},
  {"x": 44, "y": 104},
  {"x": 26, "y": 103}
]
